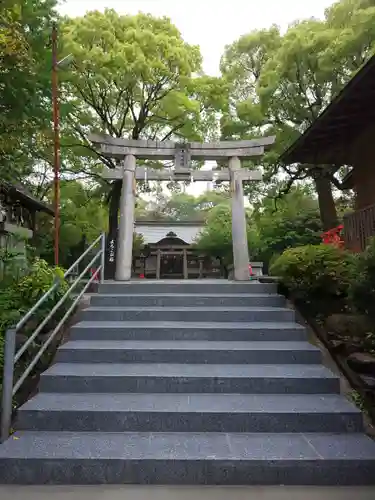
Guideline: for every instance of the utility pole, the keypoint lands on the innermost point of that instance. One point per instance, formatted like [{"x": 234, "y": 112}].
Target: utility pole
[
  {"x": 56, "y": 64},
  {"x": 56, "y": 145}
]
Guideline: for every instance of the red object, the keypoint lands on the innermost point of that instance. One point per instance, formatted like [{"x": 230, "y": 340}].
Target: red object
[
  {"x": 142, "y": 276},
  {"x": 251, "y": 270},
  {"x": 334, "y": 236},
  {"x": 94, "y": 273}
]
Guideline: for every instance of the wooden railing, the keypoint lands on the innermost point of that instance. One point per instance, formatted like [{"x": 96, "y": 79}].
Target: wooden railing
[{"x": 359, "y": 227}]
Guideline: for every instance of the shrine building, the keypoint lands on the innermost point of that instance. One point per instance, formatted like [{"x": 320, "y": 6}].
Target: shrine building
[{"x": 169, "y": 252}]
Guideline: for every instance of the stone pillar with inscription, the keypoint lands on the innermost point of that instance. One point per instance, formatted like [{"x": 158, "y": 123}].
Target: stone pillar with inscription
[
  {"x": 126, "y": 222},
  {"x": 112, "y": 251},
  {"x": 239, "y": 232}
]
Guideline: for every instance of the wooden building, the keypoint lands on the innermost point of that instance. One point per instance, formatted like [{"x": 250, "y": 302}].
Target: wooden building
[
  {"x": 169, "y": 252},
  {"x": 18, "y": 211},
  {"x": 344, "y": 135}
]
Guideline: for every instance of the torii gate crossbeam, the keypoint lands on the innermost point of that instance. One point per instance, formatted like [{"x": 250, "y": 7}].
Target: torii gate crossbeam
[{"x": 128, "y": 150}]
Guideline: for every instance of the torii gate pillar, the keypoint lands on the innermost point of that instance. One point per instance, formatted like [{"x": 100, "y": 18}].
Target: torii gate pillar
[
  {"x": 239, "y": 226},
  {"x": 126, "y": 223}
]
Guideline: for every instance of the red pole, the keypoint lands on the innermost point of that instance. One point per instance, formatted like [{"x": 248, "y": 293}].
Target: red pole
[{"x": 56, "y": 145}]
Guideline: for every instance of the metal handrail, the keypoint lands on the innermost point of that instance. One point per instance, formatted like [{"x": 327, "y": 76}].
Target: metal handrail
[
  {"x": 71, "y": 268},
  {"x": 54, "y": 287},
  {"x": 10, "y": 388}
]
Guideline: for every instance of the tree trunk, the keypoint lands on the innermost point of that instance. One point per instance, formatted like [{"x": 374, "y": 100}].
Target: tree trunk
[
  {"x": 114, "y": 205},
  {"x": 111, "y": 240},
  {"x": 327, "y": 207}
]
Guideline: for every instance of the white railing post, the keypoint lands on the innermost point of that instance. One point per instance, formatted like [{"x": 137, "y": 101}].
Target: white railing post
[
  {"x": 8, "y": 375},
  {"x": 102, "y": 258}
]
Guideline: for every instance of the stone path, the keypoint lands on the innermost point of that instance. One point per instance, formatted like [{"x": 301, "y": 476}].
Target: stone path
[{"x": 183, "y": 493}]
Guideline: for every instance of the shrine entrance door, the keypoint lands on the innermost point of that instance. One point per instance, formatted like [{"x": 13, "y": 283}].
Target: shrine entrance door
[{"x": 171, "y": 264}]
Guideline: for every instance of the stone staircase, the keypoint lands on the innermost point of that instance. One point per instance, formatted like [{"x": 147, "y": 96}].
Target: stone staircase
[{"x": 188, "y": 383}]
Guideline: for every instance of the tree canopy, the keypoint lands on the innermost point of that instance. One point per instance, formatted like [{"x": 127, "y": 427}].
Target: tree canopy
[
  {"x": 180, "y": 206},
  {"x": 83, "y": 217},
  {"x": 281, "y": 83},
  {"x": 25, "y": 63},
  {"x": 271, "y": 228},
  {"x": 134, "y": 76}
]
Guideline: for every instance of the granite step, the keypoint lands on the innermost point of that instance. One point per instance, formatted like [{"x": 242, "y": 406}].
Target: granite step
[
  {"x": 192, "y": 330},
  {"x": 203, "y": 286},
  {"x": 189, "y": 378},
  {"x": 187, "y": 314},
  {"x": 189, "y": 413},
  {"x": 188, "y": 458},
  {"x": 188, "y": 300},
  {"x": 188, "y": 351},
  {"x": 190, "y": 382}
]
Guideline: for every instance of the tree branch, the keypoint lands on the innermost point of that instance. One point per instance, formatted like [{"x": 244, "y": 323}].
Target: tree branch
[{"x": 172, "y": 131}]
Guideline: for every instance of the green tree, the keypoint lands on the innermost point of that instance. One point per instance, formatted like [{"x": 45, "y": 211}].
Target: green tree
[
  {"x": 290, "y": 222},
  {"x": 241, "y": 65},
  {"x": 290, "y": 89},
  {"x": 181, "y": 206},
  {"x": 216, "y": 238},
  {"x": 25, "y": 68},
  {"x": 353, "y": 22},
  {"x": 135, "y": 77},
  {"x": 83, "y": 217},
  {"x": 290, "y": 79},
  {"x": 271, "y": 228}
]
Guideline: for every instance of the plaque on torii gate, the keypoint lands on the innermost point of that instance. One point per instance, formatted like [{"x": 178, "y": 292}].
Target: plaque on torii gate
[{"x": 128, "y": 150}]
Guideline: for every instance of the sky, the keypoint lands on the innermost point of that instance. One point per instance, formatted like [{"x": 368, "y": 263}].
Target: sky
[{"x": 211, "y": 24}]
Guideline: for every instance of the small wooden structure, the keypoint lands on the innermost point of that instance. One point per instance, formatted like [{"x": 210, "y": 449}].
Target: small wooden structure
[
  {"x": 169, "y": 252},
  {"x": 18, "y": 215},
  {"x": 343, "y": 135}
]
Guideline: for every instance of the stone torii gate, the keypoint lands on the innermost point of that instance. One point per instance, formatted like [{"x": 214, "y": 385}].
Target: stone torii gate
[{"x": 127, "y": 150}]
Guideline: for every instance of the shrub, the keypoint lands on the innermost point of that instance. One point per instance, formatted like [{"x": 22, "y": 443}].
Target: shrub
[
  {"x": 11, "y": 308},
  {"x": 362, "y": 291},
  {"x": 18, "y": 297},
  {"x": 39, "y": 280},
  {"x": 315, "y": 271}
]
